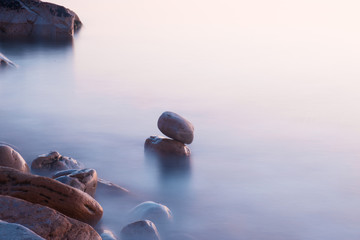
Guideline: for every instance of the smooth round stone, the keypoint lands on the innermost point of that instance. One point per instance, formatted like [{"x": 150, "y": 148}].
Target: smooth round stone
[
  {"x": 11, "y": 158},
  {"x": 49, "y": 163},
  {"x": 14, "y": 231},
  {"x": 166, "y": 147},
  {"x": 176, "y": 127},
  {"x": 84, "y": 179},
  {"x": 140, "y": 230},
  {"x": 155, "y": 212}
]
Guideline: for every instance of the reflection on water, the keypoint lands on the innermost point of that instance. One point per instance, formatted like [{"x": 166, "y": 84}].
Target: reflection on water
[{"x": 270, "y": 86}]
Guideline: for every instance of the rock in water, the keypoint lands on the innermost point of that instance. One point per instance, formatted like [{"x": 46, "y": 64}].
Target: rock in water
[
  {"x": 141, "y": 230},
  {"x": 4, "y": 61},
  {"x": 11, "y": 158},
  {"x": 165, "y": 147},
  {"x": 14, "y": 231},
  {"x": 176, "y": 127},
  {"x": 108, "y": 235},
  {"x": 49, "y": 192},
  {"x": 53, "y": 162},
  {"x": 44, "y": 221},
  {"x": 33, "y": 18},
  {"x": 84, "y": 179},
  {"x": 155, "y": 212}
]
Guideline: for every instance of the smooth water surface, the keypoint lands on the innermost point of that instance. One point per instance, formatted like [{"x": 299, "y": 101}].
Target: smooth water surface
[{"x": 272, "y": 88}]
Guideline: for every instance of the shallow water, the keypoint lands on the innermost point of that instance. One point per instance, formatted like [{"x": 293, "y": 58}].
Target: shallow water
[{"x": 270, "y": 86}]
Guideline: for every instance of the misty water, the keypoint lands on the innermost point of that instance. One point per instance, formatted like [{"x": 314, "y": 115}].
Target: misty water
[{"x": 272, "y": 88}]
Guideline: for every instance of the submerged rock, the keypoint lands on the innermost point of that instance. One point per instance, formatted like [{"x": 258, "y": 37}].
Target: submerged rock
[
  {"x": 84, "y": 179},
  {"x": 165, "y": 147},
  {"x": 49, "y": 163},
  {"x": 176, "y": 127},
  {"x": 44, "y": 221},
  {"x": 5, "y": 62},
  {"x": 11, "y": 158},
  {"x": 14, "y": 231},
  {"x": 49, "y": 192},
  {"x": 140, "y": 230},
  {"x": 33, "y": 18},
  {"x": 155, "y": 212},
  {"x": 107, "y": 187}
]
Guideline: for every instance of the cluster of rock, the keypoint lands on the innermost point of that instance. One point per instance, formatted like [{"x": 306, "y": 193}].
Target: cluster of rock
[{"x": 180, "y": 132}]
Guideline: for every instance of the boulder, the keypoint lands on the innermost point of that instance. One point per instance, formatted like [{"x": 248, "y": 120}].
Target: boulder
[
  {"x": 44, "y": 221},
  {"x": 11, "y": 158},
  {"x": 49, "y": 192},
  {"x": 14, "y": 231},
  {"x": 84, "y": 179},
  {"x": 176, "y": 127},
  {"x": 48, "y": 164},
  {"x": 165, "y": 147},
  {"x": 140, "y": 230},
  {"x": 155, "y": 212},
  {"x": 33, "y": 18},
  {"x": 5, "y": 62}
]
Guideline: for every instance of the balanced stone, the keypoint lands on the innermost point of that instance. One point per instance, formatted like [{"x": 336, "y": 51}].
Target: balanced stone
[
  {"x": 11, "y": 158},
  {"x": 165, "y": 147},
  {"x": 49, "y": 192},
  {"x": 155, "y": 212},
  {"x": 44, "y": 221},
  {"x": 176, "y": 127},
  {"x": 84, "y": 179},
  {"x": 33, "y": 18},
  {"x": 49, "y": 163},
  {"x": 140, "y": 230},
  {"x": 14, "y": 231}
]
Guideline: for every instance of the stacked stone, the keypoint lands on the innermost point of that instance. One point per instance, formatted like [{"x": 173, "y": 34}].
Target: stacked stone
[{"x": 180, "y": 132}]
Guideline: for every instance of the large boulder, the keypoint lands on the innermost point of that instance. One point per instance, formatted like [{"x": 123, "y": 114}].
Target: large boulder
[
  {"x": 14, "y": 231},
  {"x": 44, "y": 221},
  {"x": 5, "y": 62},
  {"x": 140, "y": 230},
  {"x": 52, "y": 162},
  {"x": 11, "y": 158},
  {"x": 84, "y": 179},
  {"x": 176, "y": 127},
  {"x": 49, "y": 192},
  {"x": 33, "y": 18}
]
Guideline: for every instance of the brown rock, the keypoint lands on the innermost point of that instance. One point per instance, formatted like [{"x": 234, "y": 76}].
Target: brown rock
[
  {"x": 176, "y": 127},
  {"x": 33, "y": 18},
  {"x": 11, "y": 158},
  {"x": 141, "y": 230},
  {"x": 166, "y": 147},
  {"x": 44, "y": 221},
  {"x": 47, "y": 164},
  {"x": 84, "y": 179},
  {"x": 49, "y": 192}
]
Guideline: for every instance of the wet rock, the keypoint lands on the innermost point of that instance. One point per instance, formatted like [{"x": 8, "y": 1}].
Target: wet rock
[
  {"x": 11, "y": 158},
  {"x": 108, "y": 235},
  {"x": 155, "y": 212},
  {"x": 47, "y": 164},
  {"x": 84, "y": 179},
  {"x": 5, "y": 62},
  {"x": 44, "y": 221},
  {"x": 166, "y": 147},
  {"x": 176, "y": 127},
  {"x": 140, "y": 230},
  {"x": 14, "y": 231},
  {"x": 33, "y": 18},
  {"x": 107, "y": 187},
  {"x": 49, "y": 192}
]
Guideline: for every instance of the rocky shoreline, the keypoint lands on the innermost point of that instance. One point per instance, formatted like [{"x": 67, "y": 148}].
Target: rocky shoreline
[{"x": 55, "y": 198}]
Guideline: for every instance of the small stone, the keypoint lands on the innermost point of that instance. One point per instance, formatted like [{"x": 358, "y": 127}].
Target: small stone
[
  {"x": 176, "y": 127},
  {"x": 44, "y": 221},
  {"x": 140, "y": 230},
  {"x": 49, "y": 192},
  {"x": 14, "y": 231},
  {"x": 47, "y": 164},
  {"x": 108, "y": 235},
  {"x": 84, "y": 179},
  {"x": 155, "y": 212},
  {"x": 166, "y": 147},
  {"x": 11, "y": 158}
]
